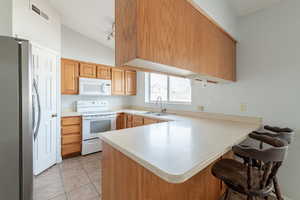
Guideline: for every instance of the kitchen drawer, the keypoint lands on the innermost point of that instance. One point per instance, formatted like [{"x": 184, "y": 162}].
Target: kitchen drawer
[
  {"x": 150, "y": 121},
  {"x": 68, "y": 149},
  {"x": 65, "y": 121},
  {"x": 71, "y": 129},
  {"x": 71, "y": 138},
  {"x": 138, "y": 121}
]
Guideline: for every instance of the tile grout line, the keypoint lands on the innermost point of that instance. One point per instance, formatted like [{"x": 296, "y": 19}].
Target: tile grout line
[
  {"x": 90, "y": 179},
  {"x": 62, "y": 180}
]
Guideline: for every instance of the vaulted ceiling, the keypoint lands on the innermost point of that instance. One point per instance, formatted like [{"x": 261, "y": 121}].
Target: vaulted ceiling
[{"x": 94, "y": 18}]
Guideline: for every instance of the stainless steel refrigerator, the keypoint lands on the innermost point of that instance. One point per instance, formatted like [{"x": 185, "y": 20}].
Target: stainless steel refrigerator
[{"x": 17, "y": 120}]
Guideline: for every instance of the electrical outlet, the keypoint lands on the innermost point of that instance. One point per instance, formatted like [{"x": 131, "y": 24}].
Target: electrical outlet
[
  {"x": 200, "y": 108},
  {"x": 243, "y": 107}
]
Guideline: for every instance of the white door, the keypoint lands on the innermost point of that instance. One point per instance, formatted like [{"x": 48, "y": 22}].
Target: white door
[{"x": 45, "y": 66}]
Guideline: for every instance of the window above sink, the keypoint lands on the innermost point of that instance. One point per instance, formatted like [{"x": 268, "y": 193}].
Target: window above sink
[{"x": 171, "y": 89}]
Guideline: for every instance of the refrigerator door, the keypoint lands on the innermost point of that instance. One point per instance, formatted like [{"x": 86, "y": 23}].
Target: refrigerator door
[
  {"x": 26, "y": 121},
  {"x": 15, "y": 121}
]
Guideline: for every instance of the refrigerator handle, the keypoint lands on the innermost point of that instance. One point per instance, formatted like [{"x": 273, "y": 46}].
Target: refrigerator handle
[
  {"x": 36, "y": 128},
  {"x": 33, "y": 112}
]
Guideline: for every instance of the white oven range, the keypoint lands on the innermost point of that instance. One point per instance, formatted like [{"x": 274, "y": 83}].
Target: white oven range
[{"x": 95, "y": 120}]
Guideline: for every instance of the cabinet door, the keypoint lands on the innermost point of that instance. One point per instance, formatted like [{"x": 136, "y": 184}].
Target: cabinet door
[
  {"x": 137, "y": 121},
  {"x": 130, "y": 82},
  {"x": 69, "y": 76},
  {"x": 118, "y": 82},
  {"x": 103, "y": 72},
  {"x": 120, "y": 121},
  {"x": 129, "y": 121},
  {"x": 88, "y": 70}
]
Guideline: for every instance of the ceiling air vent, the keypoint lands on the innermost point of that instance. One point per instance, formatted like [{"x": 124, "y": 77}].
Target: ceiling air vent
[{"x": 39, "y": 12}]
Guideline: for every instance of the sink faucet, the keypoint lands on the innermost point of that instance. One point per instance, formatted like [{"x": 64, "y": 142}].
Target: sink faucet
[{"x": 160, "y": 101}]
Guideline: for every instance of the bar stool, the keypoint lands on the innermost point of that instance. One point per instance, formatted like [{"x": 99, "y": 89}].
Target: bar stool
[
  {"x": 246, "y": 178},
  {"x": 285, "y": 134}
]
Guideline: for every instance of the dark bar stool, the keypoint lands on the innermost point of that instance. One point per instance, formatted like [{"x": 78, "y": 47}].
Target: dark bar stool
[
  {"x": 246, "y": 178},
  {"x": 285, "y": 134}
]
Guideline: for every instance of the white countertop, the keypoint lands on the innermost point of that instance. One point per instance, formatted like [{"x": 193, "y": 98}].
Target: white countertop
[{"x": 179, "y": 149}]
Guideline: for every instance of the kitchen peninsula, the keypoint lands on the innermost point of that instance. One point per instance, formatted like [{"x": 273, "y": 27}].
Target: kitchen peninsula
[{"x": 169, "y": 160}]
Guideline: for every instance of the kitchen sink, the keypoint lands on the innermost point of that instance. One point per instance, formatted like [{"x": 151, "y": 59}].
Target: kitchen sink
[{"x": 156, "y": 114}]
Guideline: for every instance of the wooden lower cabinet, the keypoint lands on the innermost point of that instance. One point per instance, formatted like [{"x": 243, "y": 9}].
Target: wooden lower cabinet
[
  {"x": 69, "y": 150},
  {"x": 121, "y": 174},
  {"x": 121, "y": 121},
  {"x": 137, "y": 121},
  {"x": 71, "y": 136},
  {"x": 148, "y": 121},
  {"x": 129, "y": 119}
]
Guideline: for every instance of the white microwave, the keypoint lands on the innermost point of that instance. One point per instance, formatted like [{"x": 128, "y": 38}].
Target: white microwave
[{"x": 94, "y": 87}]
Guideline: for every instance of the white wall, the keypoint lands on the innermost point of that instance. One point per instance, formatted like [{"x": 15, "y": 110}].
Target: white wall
[
  {"x": 6, "y": 17},
  {"x": 77, "y": 46},
  {"x": 68, "y": 101},
  {"x": 223, "y": 13},
  {"x": 31, "y": 26},
  {"x": 268, "y": 79}
]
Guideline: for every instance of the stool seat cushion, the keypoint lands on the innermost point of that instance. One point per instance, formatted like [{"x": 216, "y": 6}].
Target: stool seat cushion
[{"x": 234, "y": 174}]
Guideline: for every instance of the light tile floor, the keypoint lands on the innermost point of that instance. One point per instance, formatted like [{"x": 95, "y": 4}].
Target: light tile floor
[{"x": 74, "y": 179}]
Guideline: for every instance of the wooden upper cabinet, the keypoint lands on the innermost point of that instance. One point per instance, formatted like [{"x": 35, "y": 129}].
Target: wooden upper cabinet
[
  {"x": 153, "y": 32},
  {"x": 69, "y": 76},
  {"x": 130, "y": 82},
  {"x": 88, "y": 70},
  {"x": 118, "y": 81},
  {"x": 103, "y": 72}
]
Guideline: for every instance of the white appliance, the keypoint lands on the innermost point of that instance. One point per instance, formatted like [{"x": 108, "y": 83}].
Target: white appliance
[
  {"x": 94, "y": 87},
  {"x": 95, "y": 120}
]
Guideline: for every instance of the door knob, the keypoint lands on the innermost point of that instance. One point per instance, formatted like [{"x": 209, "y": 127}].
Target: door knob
[{"x": 54, "y": 115}]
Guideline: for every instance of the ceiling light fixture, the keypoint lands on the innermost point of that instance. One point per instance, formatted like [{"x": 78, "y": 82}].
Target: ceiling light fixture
[{"x": 111, "y": 35}]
